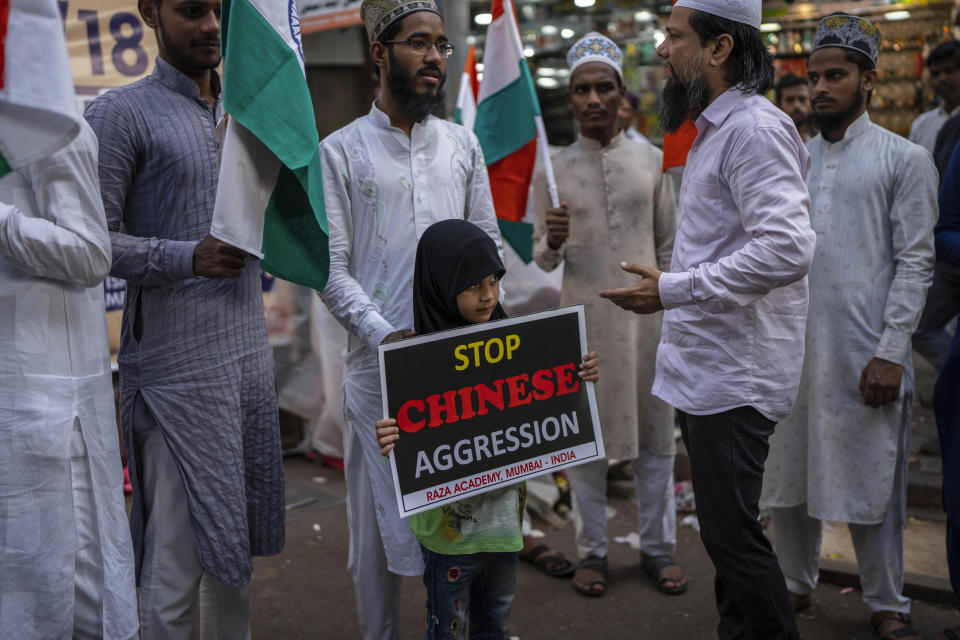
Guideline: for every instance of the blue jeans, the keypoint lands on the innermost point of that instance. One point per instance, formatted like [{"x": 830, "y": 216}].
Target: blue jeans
[{"x": 482, "y": 584}]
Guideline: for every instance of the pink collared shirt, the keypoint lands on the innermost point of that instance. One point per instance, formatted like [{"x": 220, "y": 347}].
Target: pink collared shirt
[{"x": 736, "y": 294}]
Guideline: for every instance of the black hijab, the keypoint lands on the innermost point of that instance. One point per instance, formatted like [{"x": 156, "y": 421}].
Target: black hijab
[{"x": 452, "y": 256}]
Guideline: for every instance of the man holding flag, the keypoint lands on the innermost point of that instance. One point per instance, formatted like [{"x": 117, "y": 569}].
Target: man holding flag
[
  {"x": 197, "y": 393},
  {"x": 388, "y": 176},
  {"x": 615, "y": 202},
  {"x": 66, "y": 563}
]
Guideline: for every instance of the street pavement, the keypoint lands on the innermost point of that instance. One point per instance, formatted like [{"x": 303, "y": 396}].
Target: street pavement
[{"x": 305, "y": 592}]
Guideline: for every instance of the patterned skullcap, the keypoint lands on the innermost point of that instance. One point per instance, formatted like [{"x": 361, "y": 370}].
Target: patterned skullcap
[
  {"x": 595, "y": 47},
  {"x": 745, "y": 11},
  {"x": 848, "y": 32},
  {"x": 377, "y": 15}
]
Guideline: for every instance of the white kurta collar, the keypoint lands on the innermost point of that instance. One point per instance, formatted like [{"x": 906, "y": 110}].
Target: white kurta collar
[
  {"x": 858, "y": 127},
  {"x": 590, "y": 144},
  {"x": 382, "y": 121}
]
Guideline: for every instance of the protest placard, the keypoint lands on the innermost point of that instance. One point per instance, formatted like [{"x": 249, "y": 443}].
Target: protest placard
[{"x": 488, "y": 405}]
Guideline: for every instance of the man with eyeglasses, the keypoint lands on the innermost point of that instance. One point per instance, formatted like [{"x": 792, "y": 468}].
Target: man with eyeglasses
[{"x": 388, "y": 176}]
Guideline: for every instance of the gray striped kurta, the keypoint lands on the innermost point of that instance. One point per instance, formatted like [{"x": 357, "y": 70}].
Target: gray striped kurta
[{"x": 195, "y": 348}]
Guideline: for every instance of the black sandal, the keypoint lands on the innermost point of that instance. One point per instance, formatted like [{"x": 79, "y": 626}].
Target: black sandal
[
  {"x": 653, "y": 565},
  {"x": 553, "y": 564},
  {"x": 951, "y": 634},
  {"x": 906, "y": 631},
  {"x": 598, "y": 564}
]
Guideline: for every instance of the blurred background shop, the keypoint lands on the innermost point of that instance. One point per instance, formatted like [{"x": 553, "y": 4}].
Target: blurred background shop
[{"x": 335, "y": 51}]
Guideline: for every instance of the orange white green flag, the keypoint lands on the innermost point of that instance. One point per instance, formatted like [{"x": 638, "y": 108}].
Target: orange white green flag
[
  {"x": 270, "y": 193},
  {"x": 509, "y": 126},
  {"x": 466, "y": 111}
]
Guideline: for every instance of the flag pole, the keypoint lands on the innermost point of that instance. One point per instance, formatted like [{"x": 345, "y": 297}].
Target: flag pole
[
  {"x": 542, "y": 145},
  {"x": 547, "y": 162}
]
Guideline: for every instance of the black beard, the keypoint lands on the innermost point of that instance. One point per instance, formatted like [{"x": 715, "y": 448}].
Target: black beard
[
  {"x": 416, "y": 105},
  {"x": 681, "y": 101},
  {"x": 182, "y": 59},
  {"x": 830, "y": 121}
]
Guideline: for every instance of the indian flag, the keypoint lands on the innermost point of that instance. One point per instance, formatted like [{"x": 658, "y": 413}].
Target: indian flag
[
  {"x": 507, "y": 115},
  {"x": 38, "y": 110},
  {"x": 466, "y": 110},
  {"x": 270, "y": 195}
]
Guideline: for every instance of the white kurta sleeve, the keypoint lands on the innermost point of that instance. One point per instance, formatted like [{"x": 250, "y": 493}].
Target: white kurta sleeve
[
  {"x": 69, "y": 241},
  {"x": 664, "y": 221},
  {"x": 912, "y": 217},
  {"x": 546, "y": 258},
  {"x": 766, "y": 183},
  {"x": 479, "y": 200},
  {"x": 343, "y": 295}
]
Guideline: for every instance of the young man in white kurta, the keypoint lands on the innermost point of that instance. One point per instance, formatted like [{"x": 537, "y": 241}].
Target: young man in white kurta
[
  {"x": 842, "y": 454},
  {"x": 383, "y": 186},
  {"x": 67, "y": 560},
  {"x": 619, "y": 204}
]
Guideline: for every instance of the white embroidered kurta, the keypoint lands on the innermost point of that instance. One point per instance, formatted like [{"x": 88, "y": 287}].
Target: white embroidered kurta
[
  {"x": 55, "y": 371},
  {"x": 874, "y": 204},
  {"x": 382, "y": 190},
  {"x": 621, "y": 207}
]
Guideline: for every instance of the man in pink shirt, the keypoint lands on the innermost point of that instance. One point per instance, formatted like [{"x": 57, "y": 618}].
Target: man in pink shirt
[{"x": 732, "y": 341}]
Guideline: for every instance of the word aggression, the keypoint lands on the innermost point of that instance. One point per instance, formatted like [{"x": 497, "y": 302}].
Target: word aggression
[{"x": 497, "y": 443}]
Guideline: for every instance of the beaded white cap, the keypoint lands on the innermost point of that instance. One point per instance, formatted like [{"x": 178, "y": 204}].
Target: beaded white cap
[{"x": 745, "y": 11}]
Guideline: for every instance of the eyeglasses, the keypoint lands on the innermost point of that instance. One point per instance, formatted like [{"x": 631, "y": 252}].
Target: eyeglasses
[{"x": 421, "y": 46}]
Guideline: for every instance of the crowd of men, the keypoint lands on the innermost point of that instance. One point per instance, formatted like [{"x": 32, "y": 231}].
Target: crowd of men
[{"x": 770, "y": 307}]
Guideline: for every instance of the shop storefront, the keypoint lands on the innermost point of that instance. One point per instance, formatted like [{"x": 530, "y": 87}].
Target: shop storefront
[{"x": 548, "y": 28}]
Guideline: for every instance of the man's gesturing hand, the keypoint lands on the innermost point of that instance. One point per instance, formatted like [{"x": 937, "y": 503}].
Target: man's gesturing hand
[
  {"x": 642, "y": 297},
  {"x": 558, "y": 226},
  {"x": 216, "y": 259},
  {"x": 880, "y": 382}
]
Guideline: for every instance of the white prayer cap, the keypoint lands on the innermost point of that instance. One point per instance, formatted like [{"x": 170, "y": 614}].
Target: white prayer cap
[
  {"x": 595, "y": 47},
  {"x": 745, "y": 11}
]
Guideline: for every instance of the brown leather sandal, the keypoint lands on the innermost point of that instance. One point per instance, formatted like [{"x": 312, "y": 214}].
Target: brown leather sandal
[{"x": 906, "y": 631}]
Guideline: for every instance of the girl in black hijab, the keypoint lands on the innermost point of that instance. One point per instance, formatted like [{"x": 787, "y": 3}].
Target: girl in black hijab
[
  {"x": 457, "y": 264},
  {"x": 469, "y": 546}
]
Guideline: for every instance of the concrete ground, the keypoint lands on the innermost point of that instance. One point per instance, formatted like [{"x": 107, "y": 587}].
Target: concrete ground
[{"x": 305, "y": 592}]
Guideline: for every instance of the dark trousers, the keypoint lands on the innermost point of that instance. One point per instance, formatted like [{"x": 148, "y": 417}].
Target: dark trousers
[
  {"x": 727, "y": 452},
  {"x": 946, "y": 407}
]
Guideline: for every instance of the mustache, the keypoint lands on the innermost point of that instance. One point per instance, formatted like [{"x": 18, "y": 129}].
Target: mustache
[{"x": 432, "y": 71}]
